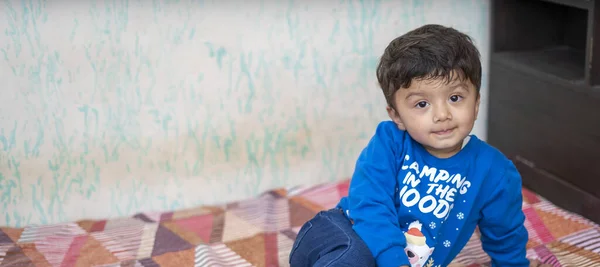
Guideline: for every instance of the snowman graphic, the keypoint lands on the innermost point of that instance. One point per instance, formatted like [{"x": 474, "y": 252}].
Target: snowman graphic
[{"x": 417, "y": 249}]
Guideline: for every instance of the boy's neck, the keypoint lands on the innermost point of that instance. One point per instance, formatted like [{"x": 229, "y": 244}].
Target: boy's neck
[
  {"x": 450, "y": 153},
  {"x": 465, "y": 141}
]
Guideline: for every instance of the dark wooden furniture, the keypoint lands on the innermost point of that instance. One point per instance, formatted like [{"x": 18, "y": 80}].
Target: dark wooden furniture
[{"x": 544, "y": 100}]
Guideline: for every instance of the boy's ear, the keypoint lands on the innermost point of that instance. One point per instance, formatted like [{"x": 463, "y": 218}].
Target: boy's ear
[{"x": 393, "y": 114}]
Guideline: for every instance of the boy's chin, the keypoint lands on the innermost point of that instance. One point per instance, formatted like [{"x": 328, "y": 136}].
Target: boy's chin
[{"x": 446, "y": 146}]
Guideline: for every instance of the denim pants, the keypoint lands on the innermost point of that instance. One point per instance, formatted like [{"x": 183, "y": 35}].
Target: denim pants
[{"x": 329, "y": 240}]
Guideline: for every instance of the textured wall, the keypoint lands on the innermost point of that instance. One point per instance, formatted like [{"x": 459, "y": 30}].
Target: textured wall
[{"x": 113, "y": 107}]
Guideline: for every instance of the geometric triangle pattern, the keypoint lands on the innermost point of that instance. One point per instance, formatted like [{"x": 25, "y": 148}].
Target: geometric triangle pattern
[{"x": 259, "y": 232}]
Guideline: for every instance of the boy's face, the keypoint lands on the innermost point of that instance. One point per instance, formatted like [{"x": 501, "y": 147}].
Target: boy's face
[{"x": 437, "y": 114}]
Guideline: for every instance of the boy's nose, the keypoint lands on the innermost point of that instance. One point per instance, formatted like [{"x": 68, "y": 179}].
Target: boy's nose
[{"x": 441, "y": 114}]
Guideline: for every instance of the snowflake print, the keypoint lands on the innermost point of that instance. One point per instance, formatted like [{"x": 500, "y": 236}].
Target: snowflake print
[
  {"x": 460, "y": 215},
  {"x": 447, "y": 243},
  {"x": 432, "y": 225}
]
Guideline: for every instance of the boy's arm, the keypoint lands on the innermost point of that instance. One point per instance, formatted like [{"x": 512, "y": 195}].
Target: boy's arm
[
  {"x": 503, "y": 234},
  {"x": 371, "y": 198}
]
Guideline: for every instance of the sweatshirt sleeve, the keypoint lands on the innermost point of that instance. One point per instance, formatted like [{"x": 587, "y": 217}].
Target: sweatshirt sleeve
[
  {"x": 371, "y": 198},
  {"x": 503, "y": 233}
]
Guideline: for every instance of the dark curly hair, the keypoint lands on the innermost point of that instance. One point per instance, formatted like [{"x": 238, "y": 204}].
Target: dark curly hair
[{"x": 428, "y": 52}]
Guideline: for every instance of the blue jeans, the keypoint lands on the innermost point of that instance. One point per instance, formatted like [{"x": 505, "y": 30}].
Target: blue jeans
[{"x": 329, "y": 240}]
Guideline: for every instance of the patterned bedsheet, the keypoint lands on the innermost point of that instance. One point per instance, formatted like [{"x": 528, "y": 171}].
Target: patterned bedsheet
[{"x": 256, "y": 232}]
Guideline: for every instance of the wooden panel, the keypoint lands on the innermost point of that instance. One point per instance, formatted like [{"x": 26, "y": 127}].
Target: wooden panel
[
  {"x": 576, "y": 28},
  {"x": 548, "y": 37},
  {"x": 534, "y": 24},
  {"x": 558, "y": 191},
  {"x": 593, "y": 50},
  {"x": 556, "y": 128},
  {"x": 542, "y": 111},
  {"x": 562, "y": 62},
  {"x": 582, "y": 4}
]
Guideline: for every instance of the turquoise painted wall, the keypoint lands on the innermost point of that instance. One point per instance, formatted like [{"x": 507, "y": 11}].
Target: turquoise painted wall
[{"x": 113, "y": 107}]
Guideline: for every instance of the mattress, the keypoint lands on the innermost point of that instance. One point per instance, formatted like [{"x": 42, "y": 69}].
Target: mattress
[{"x": 257, "y": 232}]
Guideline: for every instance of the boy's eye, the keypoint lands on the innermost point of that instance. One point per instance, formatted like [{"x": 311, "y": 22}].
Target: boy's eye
[
  {"x": 421, "y": 104},
  {"x": 455, "y": 98}
]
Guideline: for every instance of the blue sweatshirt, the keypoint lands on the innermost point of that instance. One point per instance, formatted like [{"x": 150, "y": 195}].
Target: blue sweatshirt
[{"x": 412, "y": 208}]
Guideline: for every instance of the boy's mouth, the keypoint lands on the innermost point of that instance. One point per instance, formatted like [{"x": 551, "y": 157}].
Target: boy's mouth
[{"x": 444, "y": 131}]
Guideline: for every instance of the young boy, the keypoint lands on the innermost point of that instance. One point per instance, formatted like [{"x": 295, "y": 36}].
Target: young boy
[{"x": 423, "y": 183}]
